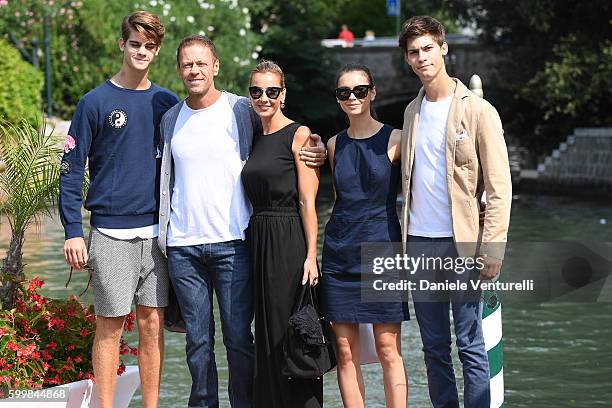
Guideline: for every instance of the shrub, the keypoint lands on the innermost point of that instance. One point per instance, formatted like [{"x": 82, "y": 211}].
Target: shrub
[
  {"x": 20, "y": 87},
  {"x": 46, "y": 342}
]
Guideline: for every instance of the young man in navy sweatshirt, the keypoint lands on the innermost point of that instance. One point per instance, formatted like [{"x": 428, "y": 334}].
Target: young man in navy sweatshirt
[{"x": 115, "y": 128}]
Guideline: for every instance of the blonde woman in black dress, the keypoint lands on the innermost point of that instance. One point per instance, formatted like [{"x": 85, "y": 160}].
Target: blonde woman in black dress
[{"x": 282, "y": 236}]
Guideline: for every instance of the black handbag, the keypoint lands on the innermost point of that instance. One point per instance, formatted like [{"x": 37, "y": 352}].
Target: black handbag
[
  {"x": 309, "y": 346},
  {"x": 173, "y": 318}
]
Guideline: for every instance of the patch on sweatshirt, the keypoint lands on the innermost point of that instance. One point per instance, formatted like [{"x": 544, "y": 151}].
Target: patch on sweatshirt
[
  {"x": 69, "y": 144},
  {"x": 64, "y": 167},
  {"x": 117, "y": 119}
]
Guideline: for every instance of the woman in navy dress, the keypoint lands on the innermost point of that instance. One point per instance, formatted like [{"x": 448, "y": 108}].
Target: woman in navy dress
[{"x": 365, "y": 161}]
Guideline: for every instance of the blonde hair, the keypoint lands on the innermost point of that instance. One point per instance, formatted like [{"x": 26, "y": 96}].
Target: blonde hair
[{"x": 264, "y": 66}]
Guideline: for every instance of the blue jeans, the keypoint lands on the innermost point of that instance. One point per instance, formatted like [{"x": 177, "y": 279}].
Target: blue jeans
[
  {"x": 434, "y": 323},
  {"x": 195, "y": 271}
]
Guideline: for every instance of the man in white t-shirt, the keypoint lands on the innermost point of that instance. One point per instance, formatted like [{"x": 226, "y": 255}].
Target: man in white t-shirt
[
  {"x": 453, "y": 149},
  {"x": 204, "y": 213}
]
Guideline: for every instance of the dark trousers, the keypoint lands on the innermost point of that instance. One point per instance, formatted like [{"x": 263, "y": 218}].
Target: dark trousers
[{"x": 434, "y": 323}]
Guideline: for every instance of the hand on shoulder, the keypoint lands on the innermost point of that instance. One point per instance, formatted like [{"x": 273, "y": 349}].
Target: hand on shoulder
[{"x": 312, "y": 150}]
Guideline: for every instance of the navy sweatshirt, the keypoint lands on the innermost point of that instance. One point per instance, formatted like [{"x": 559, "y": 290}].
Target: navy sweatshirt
[{"x": 116, "y": 131}]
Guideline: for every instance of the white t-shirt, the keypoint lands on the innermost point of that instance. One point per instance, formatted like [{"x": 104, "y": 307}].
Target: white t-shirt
[
  {"x": 429, "y": 206},
  {"x": 208, "y": 201}
]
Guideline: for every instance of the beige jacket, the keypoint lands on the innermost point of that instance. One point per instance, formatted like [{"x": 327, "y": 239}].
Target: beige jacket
[{"x": 476, "y": 161}]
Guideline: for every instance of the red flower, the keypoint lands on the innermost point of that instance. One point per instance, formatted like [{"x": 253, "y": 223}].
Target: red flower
[
  {"x": 35, "y": 283},
  {"x": 128, "y": 323},
  {"x": 12, "y": 346},
  {"x": 57, "y": 322},
  {"x": 26, "y": 351},
  {"x": 25, "y": 325},
  {"x": 123, "y": 347},
  {"x": 39, "y": 332},
  {"x": 38, "y": 300}
]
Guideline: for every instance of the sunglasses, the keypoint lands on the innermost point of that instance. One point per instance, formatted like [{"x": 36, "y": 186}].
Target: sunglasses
[
  {"x": 360, "y": 92},
  {"x": 272, "y": 92}
]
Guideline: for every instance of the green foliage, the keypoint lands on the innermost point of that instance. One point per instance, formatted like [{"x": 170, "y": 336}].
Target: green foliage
[
  {"x": 81, "y": 42},
  {"x": 292, "y": 32},
  {"x": 362, "y": 15},
  {"x": 20, "y": 87},
  {"x": 291, "y": 35},
  {"x": 84, "y": 35},
  {"x": 226, "y": 22},
  {"x": 29, "y": 184},
  {"x": 554, "y": 63},
  {"x": 577, "y": 79},
  {"x": 30, "y": 180},
  {"x": 46, "y": 342}
]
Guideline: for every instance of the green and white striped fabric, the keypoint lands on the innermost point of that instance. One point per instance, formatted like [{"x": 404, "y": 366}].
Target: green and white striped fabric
[{"x": 492, "y": 331}]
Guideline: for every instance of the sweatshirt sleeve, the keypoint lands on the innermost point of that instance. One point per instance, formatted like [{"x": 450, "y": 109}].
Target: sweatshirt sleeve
[{"x": 72, "y": 170}]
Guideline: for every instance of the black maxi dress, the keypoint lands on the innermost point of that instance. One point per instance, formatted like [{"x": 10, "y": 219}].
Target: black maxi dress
[{"x": 278, "y": 249}]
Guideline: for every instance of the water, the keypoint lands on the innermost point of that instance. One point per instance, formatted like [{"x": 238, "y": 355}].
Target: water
[{"x": 556, "y": 354}]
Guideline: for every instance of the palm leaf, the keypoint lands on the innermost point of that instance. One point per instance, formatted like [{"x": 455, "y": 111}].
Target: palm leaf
[{"x": 30, "y": 180}]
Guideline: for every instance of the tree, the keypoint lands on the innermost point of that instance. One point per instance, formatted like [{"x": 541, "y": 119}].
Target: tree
[
  {"x": 84, "y": 50},
  {"x": 226, "y": 22},
  {"x": 362, "y": 15},
  {"x": 20, "y": 86},
  {"x": 29, "y": 182},
  {"x": 554, "y": 67},
  {"x": 292, "y": 32}
]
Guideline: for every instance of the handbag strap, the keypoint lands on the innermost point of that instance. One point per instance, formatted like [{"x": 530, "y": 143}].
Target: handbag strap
[{"x": 305, "y": 294}]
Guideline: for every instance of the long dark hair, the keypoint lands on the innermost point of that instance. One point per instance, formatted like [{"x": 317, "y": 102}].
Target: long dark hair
[{"x": 352, "y": 67}]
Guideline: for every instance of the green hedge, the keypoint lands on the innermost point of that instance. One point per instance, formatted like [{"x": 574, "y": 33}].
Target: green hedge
[{"x": 20, "y": 87}]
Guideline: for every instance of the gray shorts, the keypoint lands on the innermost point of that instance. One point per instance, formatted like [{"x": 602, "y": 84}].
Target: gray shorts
[{"x": 124, "y": 271}]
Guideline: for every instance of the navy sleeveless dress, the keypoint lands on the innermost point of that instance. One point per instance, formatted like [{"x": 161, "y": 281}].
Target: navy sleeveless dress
[{"x": 365, "y": 211}]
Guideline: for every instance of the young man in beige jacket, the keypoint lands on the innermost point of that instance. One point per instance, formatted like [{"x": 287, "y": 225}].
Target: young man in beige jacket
[{"x": 453, "y": 149}]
